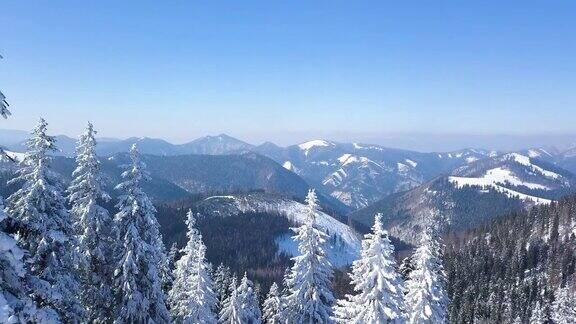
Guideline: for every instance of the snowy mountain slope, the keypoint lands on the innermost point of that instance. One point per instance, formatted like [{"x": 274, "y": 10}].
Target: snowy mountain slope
[
  {"x": 360, "y": 174},
  {"x": 344, "y": 243},
  {"x": 406, "y": 213},
  {"x": 472, "y": 194},
  {"x": 517, "y": 174}
]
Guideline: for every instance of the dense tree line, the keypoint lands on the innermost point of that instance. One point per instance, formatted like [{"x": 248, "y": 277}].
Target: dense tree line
[{"x": 516, "y": 267}]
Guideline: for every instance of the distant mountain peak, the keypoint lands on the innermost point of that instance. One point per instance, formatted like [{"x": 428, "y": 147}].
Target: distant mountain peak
[{"x": 307, "y": 146}]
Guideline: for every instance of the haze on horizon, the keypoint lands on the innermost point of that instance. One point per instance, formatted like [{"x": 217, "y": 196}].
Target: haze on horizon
[{"x": 427, "y": 76}]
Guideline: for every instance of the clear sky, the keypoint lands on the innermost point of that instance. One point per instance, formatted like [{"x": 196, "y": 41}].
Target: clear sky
[{"x": 289, "y": 70}]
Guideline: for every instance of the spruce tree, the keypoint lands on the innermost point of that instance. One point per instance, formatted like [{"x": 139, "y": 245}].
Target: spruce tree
[
  {"x": 173, "y": 255},
  {"x": 231, "y": 312},
  {"x": 192, "y": 297},
  {"x": 43, "y": 227},
  {"x": 222, "y": 281},
  {"x": 272, "y": 305},
  {"x": 139, "y": 254},
  {"x": 309, "y": 298},
  {"x": 15, "y": 305},
  {"x": 249, "y": 301},
  {"x": 13, "y": 298},
  {"x": 378, "y": 286},
  {"x": 93, "y": 224},
  {"x": 538, "y": 315},
  {"x": 426, "y": 299},
  {"x": 564, "y": 307}
]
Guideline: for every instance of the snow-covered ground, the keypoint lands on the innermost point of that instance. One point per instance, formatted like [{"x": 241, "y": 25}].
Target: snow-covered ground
[
  {"x": 307, "y": 146},
  {"x": 489, "y": 183},
  {"x": 524, "y": 160},
  {"x": 343, "y": 246}
]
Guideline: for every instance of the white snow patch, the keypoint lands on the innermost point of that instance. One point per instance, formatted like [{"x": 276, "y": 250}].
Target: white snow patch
[
  {"x": 220, "y": 197},
  {"x": 484, "y": 183},
  {"x": 524, "y": 160},
  {"x": 288, "y": 166},
  {"x": 412, "y": 163},
  {"x": 402, "y": 167},
  {"x": 533, "y": 153},
  {"x": 335, "y": 178},
  {"x": 306, "y": 147},
  {"x": 471, "y": 159},
  {"x": 347, "y": 158},
  {"x": 18, "y": 156},
  {"x": 502, "y": 176}
]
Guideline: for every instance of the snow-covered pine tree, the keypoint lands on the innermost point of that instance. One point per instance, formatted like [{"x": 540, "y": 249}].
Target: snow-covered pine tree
[
  {"x": 15, "y": 306},
  {"x": 43, "y": 227},
  {"x": 426, "y": 299},
  {"x": 378, "y": 285},
  {"x": 222, "y": 281},
  {"x": 272, "y": 305},
  {"x": 13, "y": 297},
  {"x": 139, "y": 255},
  {"x": 93, "y": 224},
  {"x": 192, "y": 297},
  {"x": 170, "y": 266},
  {"x": 173, "y": 255},
  {"x": 564, "y": 306},
  {"x": 231, "y": 312},
  {"x": 249, "y": 300},
  {"x": 309, "y": 298},
  {"x": 538, "y": 315}
]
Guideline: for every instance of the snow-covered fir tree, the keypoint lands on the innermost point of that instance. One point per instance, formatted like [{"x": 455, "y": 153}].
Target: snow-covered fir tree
[
  {"x": 13, "y": 297},
  {"x": 4, "y": 112},
  {"x": 564, "y": 306},
  {"x": 192, "y": 297},
  {"x": 171, "y": 258},
  {"x": 93, "y": 224},
  {"x": 272, "y": 306},
  {"x": 138, "y": 253},
  {"x": 43, "y": 227},
  {"x": 15, "y": 305},
  {"x": 222, "y": 281},
  {"x": 538, "y": 315},
  {"x": 249, "y": 300},
  {"x": 173, "y": 255},
  {"x": 231, "y": 312},
  {"x": 309, "y": 298},
  {"x": 378, "y": 286},
  {"x": 426, "y": 300}
]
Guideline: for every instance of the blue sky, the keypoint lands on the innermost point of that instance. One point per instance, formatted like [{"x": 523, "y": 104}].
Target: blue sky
[{"x": 290, "y": 70}]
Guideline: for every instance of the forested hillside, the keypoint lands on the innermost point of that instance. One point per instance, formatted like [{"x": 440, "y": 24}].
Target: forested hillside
[{"x": 514, "y": 267}]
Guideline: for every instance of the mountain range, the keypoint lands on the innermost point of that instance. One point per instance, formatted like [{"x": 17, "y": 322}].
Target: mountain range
[
  {"x": 467, "y": 186},
  {"x": 356, "y": 174}
]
